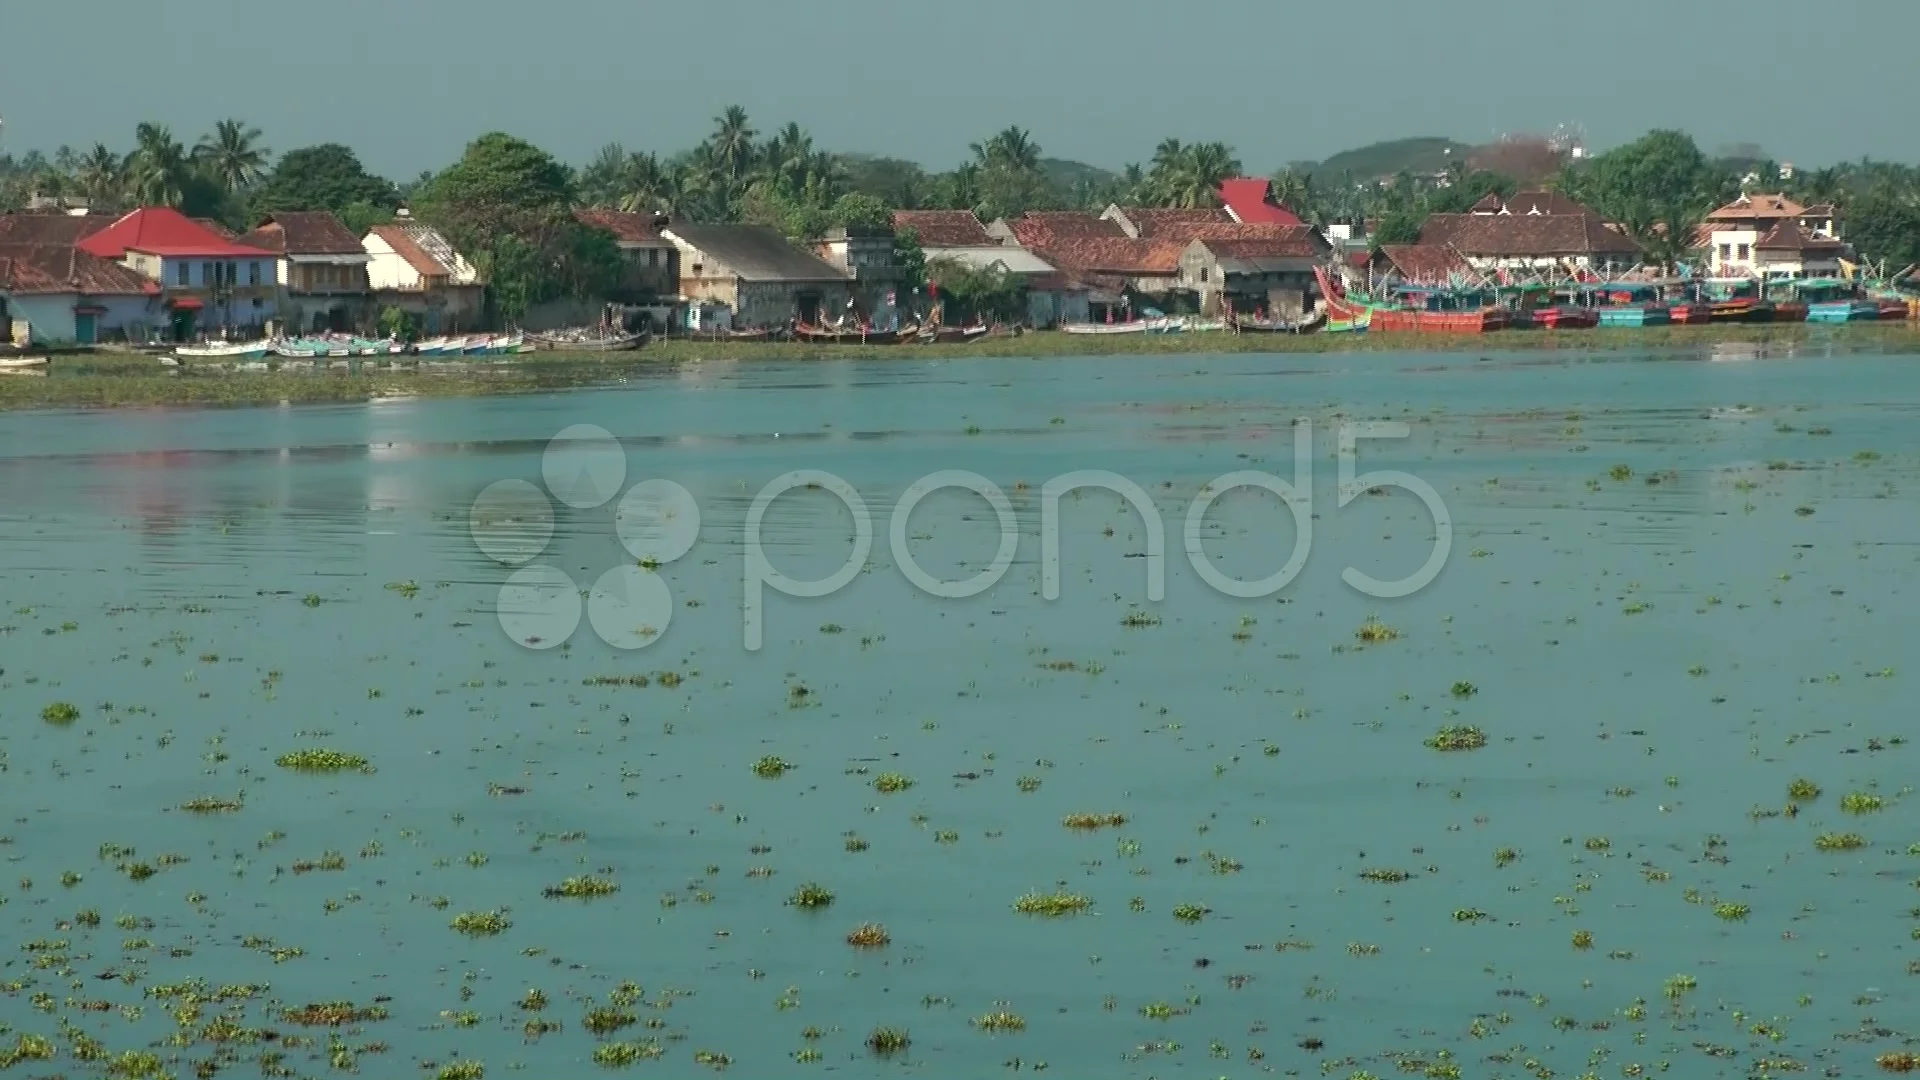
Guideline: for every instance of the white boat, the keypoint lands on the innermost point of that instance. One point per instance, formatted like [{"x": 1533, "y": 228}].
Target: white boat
[
  {"x": 22, "y": 363},
  {"x": 1138, "y": 326},
  {"x": 224, "y": 350}
]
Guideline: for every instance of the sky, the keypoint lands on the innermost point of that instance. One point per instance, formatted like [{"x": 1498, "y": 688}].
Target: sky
[{"x": 408, "y": 83}]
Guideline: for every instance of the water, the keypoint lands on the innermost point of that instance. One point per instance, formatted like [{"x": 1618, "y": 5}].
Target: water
[{"x": 1654, "y": 651}]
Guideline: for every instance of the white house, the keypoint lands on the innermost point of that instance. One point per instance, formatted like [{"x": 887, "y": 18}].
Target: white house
[
  {"x": 1759, "y": 235},
  {"x": 322, "y": 269},
  {"x": 412, "y": 267}
]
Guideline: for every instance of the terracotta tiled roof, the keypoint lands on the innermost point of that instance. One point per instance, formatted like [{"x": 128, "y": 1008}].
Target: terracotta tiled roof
[
  {"x": 159, "y": 230},
  {"x": 1281, "y": 242},
  {"x": 403, "y": 244},
  {"x": 1250, "y": 199},
  {"x": 1789, "y": 236},
  {"x": 1819, "y": 210},
  {"x": 304, "y": 233},
  {"x": 1536, "y": 203},
  {"x": 1540, "y": 235},
  {"x": 215, "y": 228},
  {"x": 1233, "y": 230},
  {"x": 943, "y": 228},
  {"x": 1758, "y": 207},
  {"x": 1424, "y": 264},
  {"x": 1037, "y": 227},
  {"x": 27, "y": 269},
  {"x": 1155, "y": 223},
  {"x": 32, "y": 228},
  {"x": 1112, "y": 255},
  {"x": 1489, "y": 204},
  {"x": 627, "y": 228}
]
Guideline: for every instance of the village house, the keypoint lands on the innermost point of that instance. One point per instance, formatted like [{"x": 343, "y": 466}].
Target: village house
[
  {"x": 1115, "y": 267},
  {"x": 935, "y": 229},
  {"x": 59, "y": 295},
  {"x": 1035, "y": 228},
  {"x": 1733, "y": 234},
  {"x": 1162, "y": 223},
  {"x": 760, "y": 278},
  {"x": 1270, "y": 275},
  {"x": 321, "y": 269},
  {"x": 1249, "y": 200},
  {"x": 1534, "y": 244},
  {"x": 1419, "y": 266},
  {"x": 206, "y": 281},
  {"x": 413, "y": 268},
  {"x": 651, "y": 261},
  {"x": 865, "y": 256},
  {"x": 1052, "y": 297}
]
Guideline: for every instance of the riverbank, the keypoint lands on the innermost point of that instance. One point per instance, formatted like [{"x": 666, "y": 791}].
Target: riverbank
[{"x": 118, "y": 380}]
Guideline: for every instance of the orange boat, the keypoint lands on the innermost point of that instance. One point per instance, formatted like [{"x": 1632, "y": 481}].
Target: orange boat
[
  {"x": 1386, "y": 318},
  {"x": 1693, "y": 314}
]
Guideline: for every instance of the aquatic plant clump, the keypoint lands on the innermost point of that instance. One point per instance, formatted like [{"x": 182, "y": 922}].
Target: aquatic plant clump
[
  {"x": 891, "y": 783},
  {"x": 332, "y": 1014},
  {"x": 810, "y": 896},
  {"x": 1803, "y": 790},
  {"x": 869, "y": 936},
  {"x": 481, "y": 923},
  {"x": 322, "y": 761},
  {"x": 1859, "y": 802},
  {"x": 61, "y": 713},
  {"x": 1052, "y": 905},
  {"x": 887, "y": 1041},
  {"x": 1385, "y": 875},
  {"x": 1094, "y": 821},
  {"x": 1452, "y": 739},
  {"x": 1373, "y": 631},
  {"x": 1839, "y": 841},
  {"x": 771, "y": 767},
  {"x": 584, "y": 887},
  {"x": 1190, "y": 913},
  {"x": 1000, "y": 1021}
]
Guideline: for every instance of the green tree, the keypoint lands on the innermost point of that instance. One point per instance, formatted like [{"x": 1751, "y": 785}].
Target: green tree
[
  {"x": 856, "y": 211},
  {"x": 987, "y": 294},
  {"x": 1659, "y": 187},
  {"x": 100, "y": 174},
  {"x": 910, "y": 257},
  {"x": 1398, "y": 227},
  {"x": 509, "y": 205},
  {"x": 325, "y": 177},
  {"x": 231, "y": 154},
  {"x": 1884, "y": 226},
  {"x": 157, "y": 170}
]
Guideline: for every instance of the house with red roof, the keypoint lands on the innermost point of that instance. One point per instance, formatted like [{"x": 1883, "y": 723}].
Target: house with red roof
[
  {"x": 1270, "y": 274},
  {"x": 53, "y": 294},
  {"x": 651, "y": 261},
  {"x": 1799, "y": 241},
  {"x": 320, "y": 267},
  {"x": 206, "y": 280},
  {"x": 412, "y": 267},
  {"x": 1249, "y": 200}
]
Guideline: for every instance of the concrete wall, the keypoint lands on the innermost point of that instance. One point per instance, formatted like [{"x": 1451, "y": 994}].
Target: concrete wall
[
  {"x": 386, "y": 270},
  {"x": 42, "y": 320},
  {"x": 773, "y": 303},
  {"x": 1047, "y": 309},
  {"x": 449, "y": 310}
]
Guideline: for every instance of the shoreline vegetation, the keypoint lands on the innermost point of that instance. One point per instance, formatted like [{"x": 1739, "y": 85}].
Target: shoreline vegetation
[{"x": 104, "y": 380}]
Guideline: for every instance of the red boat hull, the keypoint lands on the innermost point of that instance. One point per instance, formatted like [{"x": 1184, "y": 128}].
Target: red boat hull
[
  {"x": 1566, "y": 318},
  {"x": 1692, "y": 314},
  {"x": 1407, "y": 320}
]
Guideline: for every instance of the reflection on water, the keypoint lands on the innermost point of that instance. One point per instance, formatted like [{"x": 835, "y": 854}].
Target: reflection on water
[{"x": 1676, "y": 587}]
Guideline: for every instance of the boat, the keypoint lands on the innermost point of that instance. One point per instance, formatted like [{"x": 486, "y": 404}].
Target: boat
[
  {"x": 856, "y": 335},
  {"x": 951, "y": 335},
  {"x": 1634, "y": 315},
  {"x": 1565, "y": 318},
  {"x": 584, "y": 340},
  {"x": 1789, "y": 311},
  {"x": 1690, "y": 313},
  {"x": 1161, "y": 325},
  {"x": 22, "y": 363},
  {"x": 1306, "y": 325},
  {"x": 1891, "y": 308},
  {"x": 1355, "y": 324},
  {"x": 224, "y": 350},
  {"x": 1741, "y": 309},
  {"x": 1390, "y": 318}
]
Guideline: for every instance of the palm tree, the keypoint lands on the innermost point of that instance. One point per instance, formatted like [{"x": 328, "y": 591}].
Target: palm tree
[
  {"x": 99, "y": 175},
  {"x": 157, "y": 168},
  {"x": 643, "y": 185},
  {"x": 230, "y": 155},
  {"x": 1011, "y": 150},
  {"x": 731, "y": 145}
]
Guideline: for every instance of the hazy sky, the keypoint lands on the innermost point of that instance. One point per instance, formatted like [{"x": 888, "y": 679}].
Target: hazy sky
[{"x": 409, "y": 82}]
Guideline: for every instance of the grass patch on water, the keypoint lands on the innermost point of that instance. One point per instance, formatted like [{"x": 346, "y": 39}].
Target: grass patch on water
[
  {"x": 60, "y": 713},
  {"x": 1094, "y": 821},
  {"x": 811, "y": 897},
  {"x": 771, "y": 767},
  {"x": 1859, "y": 802},
  {"x": 891, "y": 783},
  {"x": 322, "y": 761},
  {"x": 1839, "y": 841},
  {"x": 481, "y": 923},
  {"x": 887, "y": 1041},
  {"x": 584, "y": 887},
  {"x": 1451, "y": 739},
  {"x": 869, "y": 936},
  {"x": 1052, "y": 905}
]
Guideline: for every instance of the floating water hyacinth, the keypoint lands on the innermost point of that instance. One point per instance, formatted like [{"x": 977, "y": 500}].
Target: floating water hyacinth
[{"x": 324, "y": 761}]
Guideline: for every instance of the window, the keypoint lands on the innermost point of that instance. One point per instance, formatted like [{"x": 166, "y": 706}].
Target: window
[
  {"x": 207, "y": 273},
  {"x": 1726, "y": 252},
  {"x": 1203, "y": 275},
  {"x": 653, "y": 256},
  {"x": 183, "y": 274},
  {"x": 253, "y": 273},
  {"x": 1744, "y": 251},
  {"x": 233, "y": 273}
]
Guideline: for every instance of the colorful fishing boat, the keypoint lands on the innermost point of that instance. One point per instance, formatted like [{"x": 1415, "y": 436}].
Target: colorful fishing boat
[
  {"x": 1352, "y": 324},
  {"x": 1306, "y": 325},
  {"x": 1565, "y": 318},
  {"x": 1431, "y": 318}
]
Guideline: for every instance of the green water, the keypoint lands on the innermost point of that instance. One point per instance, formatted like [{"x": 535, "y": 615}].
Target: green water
[{"x": 1654, "y": 651}]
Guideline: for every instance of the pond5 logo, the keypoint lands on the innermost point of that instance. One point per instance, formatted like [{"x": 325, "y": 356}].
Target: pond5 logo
[{"x": 512, "y": 522}]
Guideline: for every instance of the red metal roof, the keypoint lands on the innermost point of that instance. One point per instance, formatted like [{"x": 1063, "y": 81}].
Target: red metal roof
[
  {"x": 160, "y": 230},
  {"x": 1250, "y": 200},
  {"x": 626, "y": 227}
]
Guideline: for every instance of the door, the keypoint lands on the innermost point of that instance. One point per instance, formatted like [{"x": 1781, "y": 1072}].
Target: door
[
  {"x": 181, "y": 323},
  {"x": 86, "y": 328},
  {"x": 809, "y": 304}
]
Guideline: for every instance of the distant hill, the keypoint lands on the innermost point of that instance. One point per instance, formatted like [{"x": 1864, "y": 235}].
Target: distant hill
[
  {"x": 1065, "y": 174},
  {"x": 1424, "y": 154}
]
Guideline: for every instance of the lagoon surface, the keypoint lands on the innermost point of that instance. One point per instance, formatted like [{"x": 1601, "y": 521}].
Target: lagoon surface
[{"x": 1676, "y": 586}]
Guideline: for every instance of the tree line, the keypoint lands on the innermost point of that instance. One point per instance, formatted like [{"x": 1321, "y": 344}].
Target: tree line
[{"x": 508, "y": 204}]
